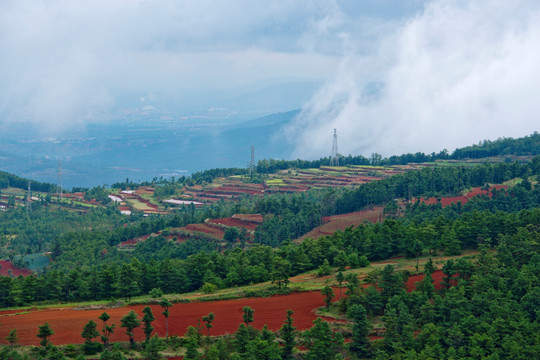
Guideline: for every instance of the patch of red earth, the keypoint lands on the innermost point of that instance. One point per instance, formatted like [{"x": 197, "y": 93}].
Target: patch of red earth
[
  {"x": 68, "y": 323},
  {"x": 341, "y": 222},
  {"x": 287, "y": 189},
  {"x": 206, "y": 229},
  {"x": 233, "y": 222},
  {"x": 145, "y": 191},
  {"x": 413, "y": 279},
  {"x": 182, "y": 239},
  {"x": 7, "y": 269},
  {"x": 257, "y": 218},
  {"x": 134, "y": 241},
  {"x": 446, "y": 201},
  {"x": 75, "y": 196},
  {"x": 235, "y": 190}
]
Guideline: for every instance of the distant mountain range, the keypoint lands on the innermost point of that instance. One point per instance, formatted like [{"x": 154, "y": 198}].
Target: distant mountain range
[{"x": 140, "y": 149}]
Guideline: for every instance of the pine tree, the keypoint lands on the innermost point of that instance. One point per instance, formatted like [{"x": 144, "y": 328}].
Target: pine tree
[
  {"x": 328, "y": 292},
  {"x": 340, "y": 278},
  {"x": 44, "y": 333},
  {"x": 241, "y": 338},
  {"x": 130, "y": 322},
  {"x": 248, "y": 315},
  {"x": 208, "y": 319},
  {"x": 12, "y": 338},
  {"x": 147, "y": 319},
  {"x": 321, "y": 341},
  {"x": 153, "y": 348},
  {"x": 106, "y": 330},
  {"x": 166, "y": 304},
  {"x": 90, "y": 331},
  {"x": 288, "y": 334},
  {"x": 191, "y": 339},
  {"x": 361, "y": 326}
]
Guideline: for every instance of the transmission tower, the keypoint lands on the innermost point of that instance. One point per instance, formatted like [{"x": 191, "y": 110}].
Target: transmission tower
[
  {"x": 59, "y": 193},
  {"x": 252, "y": 162},
  {"x": 334, "y": 160}
]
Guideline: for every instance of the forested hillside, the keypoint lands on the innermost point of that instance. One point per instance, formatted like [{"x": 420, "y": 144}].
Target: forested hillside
[{"x": 485, "y": 307}]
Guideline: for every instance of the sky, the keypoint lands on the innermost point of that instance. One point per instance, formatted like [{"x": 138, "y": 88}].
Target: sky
[{"x": 397, "y": 75}]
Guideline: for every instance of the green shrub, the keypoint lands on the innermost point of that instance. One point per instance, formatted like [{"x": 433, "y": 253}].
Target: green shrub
[
  {"x": 209, "y": 288},
  {"x": 156, "y": 293}
]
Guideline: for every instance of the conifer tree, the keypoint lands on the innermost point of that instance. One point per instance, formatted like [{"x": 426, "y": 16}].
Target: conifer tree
[
  {"x": 166, "y": 304},
  {"x": 147, "y": 320},
  {"x": 12, "y": 338},
  {"x": 248, "y": 315},
  {"x": 208, "y": 319},
  {"x": 130, "y": 322},
  {"x": 361, "y": 326},
  {"x": 44, "y": 333},
  {"x": 106, "y": 330},
  {"x": 288, "y": 334},
  {"x": 328, "y": 292}
]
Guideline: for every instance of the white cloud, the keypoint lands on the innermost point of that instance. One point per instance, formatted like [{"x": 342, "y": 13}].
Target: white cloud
[
  {"x": 457, "y": 73},
  {"x": 63, "y": 62}
]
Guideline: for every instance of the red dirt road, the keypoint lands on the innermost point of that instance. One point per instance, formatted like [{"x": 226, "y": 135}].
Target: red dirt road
[{"x": 68, "y": 323}]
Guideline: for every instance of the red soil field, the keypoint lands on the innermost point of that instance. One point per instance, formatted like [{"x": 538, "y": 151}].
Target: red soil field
[
  {"x": 446, "y": 201},
  {"x": 257, "y": 218},
  {"x": 207, "y": 229},
  {"x": 232, "y": 222},
  {"x": 68, "y": 323},
  {"x": 341, "y": 222},
  {"x": 7, "y": 269}
]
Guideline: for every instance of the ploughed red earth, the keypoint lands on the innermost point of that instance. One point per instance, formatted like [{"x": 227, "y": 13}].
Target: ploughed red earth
[{"x": 67, "y": 323}]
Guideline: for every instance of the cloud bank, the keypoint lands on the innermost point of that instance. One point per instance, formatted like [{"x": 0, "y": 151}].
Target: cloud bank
[
  {"x": 456, "y": 73},
  {"x": 401, "y": 75},
  {"x": 65, "y": 62}
]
